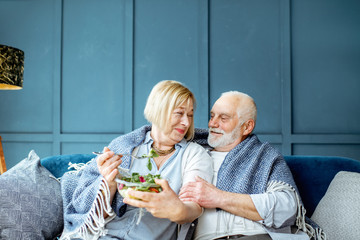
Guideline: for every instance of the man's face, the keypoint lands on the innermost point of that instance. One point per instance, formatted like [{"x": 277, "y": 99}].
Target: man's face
[{"x": 225, "y": 128}]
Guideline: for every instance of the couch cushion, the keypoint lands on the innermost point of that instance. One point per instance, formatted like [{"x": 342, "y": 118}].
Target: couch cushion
[
  {"x": 30, "y": 202},
  {"x": 313, "y": 174},
  {"x": 59, "y": 164},
  {"x": 338, "y": 211}
]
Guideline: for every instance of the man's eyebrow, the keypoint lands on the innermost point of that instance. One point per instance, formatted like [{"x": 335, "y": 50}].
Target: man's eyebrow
[
  {"x": 221, "y": 114},
  {"x": 225, "y": 115}
]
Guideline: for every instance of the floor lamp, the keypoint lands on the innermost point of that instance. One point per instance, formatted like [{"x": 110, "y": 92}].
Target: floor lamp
[
  {"x": 2, "y": 159},
  {"x": 11, "y": 78}
]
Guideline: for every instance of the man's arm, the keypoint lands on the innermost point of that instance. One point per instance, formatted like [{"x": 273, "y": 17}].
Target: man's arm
[
  {"x": 208, "y": 196},
  {"x": 277, "y": 208},
  {"x": 274, "y": 208},
  {"x": 239, "y": 205}
]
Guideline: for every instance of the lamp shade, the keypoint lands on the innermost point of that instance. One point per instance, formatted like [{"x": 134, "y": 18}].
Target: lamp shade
[{"x": 11, "y": 68}]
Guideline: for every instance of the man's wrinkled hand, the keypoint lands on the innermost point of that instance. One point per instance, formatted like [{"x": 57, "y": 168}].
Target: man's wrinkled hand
[{"x": 201, "y": 192}]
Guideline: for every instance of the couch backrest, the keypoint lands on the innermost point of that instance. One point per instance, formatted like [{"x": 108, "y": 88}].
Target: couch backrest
[{"x": 313, "y": 175}]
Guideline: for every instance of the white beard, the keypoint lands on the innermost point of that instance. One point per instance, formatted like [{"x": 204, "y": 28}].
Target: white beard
[{"x": 225, "y": 139}]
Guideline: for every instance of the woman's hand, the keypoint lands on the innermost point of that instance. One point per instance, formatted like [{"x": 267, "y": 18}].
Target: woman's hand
[
  {"x": 107, "y": 164},
  {"x": 165, "y": 204}
]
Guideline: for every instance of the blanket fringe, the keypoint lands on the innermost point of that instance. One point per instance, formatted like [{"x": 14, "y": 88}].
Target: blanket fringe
[
  {"x": 53, "y": 177},
  {"x": 94, "y": 225},
  {"x": 77, "y": 166},
  {"x": 318, "y": 233}
]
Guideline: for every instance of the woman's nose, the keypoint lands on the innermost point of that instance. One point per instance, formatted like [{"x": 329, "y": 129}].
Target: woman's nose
[{"x": 185, "y": 120}]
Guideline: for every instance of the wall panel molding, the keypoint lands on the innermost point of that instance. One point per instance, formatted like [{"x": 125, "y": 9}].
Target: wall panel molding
[
  {"x": 298, "y": 59},
  {"x": 57, "y": 76},
  {"x": 203, "y": 58},
  {"x": 129, "y": 65},
  {"x": 285, "y": 75}
]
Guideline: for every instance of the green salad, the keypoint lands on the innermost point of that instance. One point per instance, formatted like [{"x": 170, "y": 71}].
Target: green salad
[
  {"x": 145, "y": 183},
  {"x": 150, "y": 155}
]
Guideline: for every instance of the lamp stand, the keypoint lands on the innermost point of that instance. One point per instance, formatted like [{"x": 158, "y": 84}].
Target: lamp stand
[
  {"x": 11, "y": 77},
  {"x": 2, "y": 159}
]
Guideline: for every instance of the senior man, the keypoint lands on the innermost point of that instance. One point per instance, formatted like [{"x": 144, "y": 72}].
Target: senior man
[{"x": 253, "y": 194}]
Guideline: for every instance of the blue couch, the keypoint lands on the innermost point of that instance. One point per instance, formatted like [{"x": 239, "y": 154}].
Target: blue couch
[
  {"x": 312, "y": 174},
  {"x": 328, "y": 186}
]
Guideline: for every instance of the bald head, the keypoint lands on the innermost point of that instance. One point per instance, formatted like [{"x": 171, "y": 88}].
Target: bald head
[
  {"x": 233, "y": 118},
  {"x": 245, "y": 105}
]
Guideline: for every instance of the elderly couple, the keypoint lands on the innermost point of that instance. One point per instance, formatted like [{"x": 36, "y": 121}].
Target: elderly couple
[{"x": 231, "y": 187}]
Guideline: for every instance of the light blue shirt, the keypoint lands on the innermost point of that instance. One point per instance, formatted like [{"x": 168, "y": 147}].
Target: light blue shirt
[{"x": 149, "y": 227}]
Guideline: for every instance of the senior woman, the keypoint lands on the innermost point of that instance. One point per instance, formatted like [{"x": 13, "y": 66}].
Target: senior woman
[{"x": 94, "y": 209}]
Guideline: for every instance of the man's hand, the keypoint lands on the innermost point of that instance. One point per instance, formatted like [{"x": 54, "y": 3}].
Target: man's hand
[
  {"x": 201, "y": 192},
  {"x": 208, "y": 196},
  {"x": 107, "y": 164},
  {"x": 165, "y": 204}
]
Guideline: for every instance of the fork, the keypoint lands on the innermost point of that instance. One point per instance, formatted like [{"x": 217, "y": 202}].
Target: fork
[
  {"x": 122, "y": 171},
  {"x": 121, "y": 154}
]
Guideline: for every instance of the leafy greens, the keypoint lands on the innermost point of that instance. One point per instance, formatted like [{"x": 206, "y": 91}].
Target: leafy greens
[{"x": 150, "y": 155}]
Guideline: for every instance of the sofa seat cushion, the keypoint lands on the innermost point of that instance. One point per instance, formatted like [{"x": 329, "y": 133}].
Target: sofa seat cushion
[
  {"x": 30, "y": 202},
  {"x": 338, "y": 211}
]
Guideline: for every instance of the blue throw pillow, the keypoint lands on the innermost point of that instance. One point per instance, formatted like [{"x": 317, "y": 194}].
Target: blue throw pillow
[
  {"x": 30, "y": 202},
  {"x": 59, "y": 164}
]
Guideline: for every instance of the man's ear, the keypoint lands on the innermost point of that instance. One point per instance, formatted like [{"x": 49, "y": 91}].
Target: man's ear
[{"x": 249, "y": 126}]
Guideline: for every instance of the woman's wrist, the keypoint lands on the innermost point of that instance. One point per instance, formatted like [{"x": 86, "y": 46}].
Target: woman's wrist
[
  {"x": 188, "y": 212},
  {"x": 179, "y": 215}
]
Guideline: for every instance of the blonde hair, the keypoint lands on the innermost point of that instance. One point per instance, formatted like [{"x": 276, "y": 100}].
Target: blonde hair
[{"x": 163, "y": 99}]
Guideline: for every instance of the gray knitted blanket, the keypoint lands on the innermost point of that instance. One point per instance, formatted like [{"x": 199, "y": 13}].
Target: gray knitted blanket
[
  {"x": 250, "y": 167},
  {"x": 80, "y": 189}
]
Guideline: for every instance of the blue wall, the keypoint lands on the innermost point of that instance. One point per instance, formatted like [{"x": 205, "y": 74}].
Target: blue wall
[{"x": 90, "y": 64}]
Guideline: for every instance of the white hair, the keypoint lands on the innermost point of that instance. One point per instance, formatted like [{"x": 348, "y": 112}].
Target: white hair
[{"x": 246, "y": 108}]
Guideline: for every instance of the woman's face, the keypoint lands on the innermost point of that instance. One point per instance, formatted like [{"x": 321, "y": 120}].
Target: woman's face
[{"x": 180, "y": 121}]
